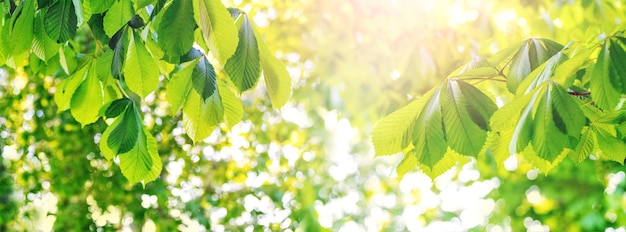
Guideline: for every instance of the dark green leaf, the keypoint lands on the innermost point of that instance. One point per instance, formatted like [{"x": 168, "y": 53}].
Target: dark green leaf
[
  {"x": 124, "y": 137},
  {"x": 204, "y": 79},
  {"x": 61, "y": 21},
  {"x": 117, "y": 107}
]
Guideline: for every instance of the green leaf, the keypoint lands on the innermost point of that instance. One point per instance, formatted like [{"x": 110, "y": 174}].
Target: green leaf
[
  {"x": 88, "y": 98},
  {"x": 611, "y": 147},
  {"x": 604, "y": 83},
  {"x": 390, "y": 133},
  {"x": 61, "y": 21},
  {"x": 585, "y": 146},
  {"x": 203, "y": 109},
  {"x": 548, "y": 118},
  {"x": 117, "y": 16},
  {"x": 233, "y": 109},
  {"x": 179, "y": 86},
  {"x": 429, "y": 138},
  {"x": 117, "y": 107},
  {"x": 67, "y": 59},
  {"x": 124, "y": 137},
  {"x": 43, "y": 46},
  {"x": 204, "y": 79},
  {"x": 21, "y": 28},
  {"x": 541, "y": 74},
  {"x": 141, "y": 71},
  {"x": 466, "y": 112},
  {"x": 217, "y": 27},
  {"x": 244, "y": 66},
  {"x": 142, "y": 163},
  {"x": 99, "y": 6},
  {"x": 65, "y": 90},
  {"x": 176, "y": 28},
  {"x": 119, "y": 52},
  {"x": 530, "y": 56},
  {"x": 200, "y": 117},
  {"x": 105, "y": 148},
  {"x": 277, "y": 80}
]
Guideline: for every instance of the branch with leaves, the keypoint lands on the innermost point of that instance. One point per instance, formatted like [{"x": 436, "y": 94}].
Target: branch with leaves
[
  {"x": 547, "y": 119},
  {"x": 151, "y": 43}
]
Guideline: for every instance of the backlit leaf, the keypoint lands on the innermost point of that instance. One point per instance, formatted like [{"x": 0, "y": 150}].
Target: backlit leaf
[
  {"x": 176, "y": 28},
  {"x": 88, "y": 98},
  {"x": 141, "y": 71},
  {"x": 244, "y": 66},
  {"x": 217, "y": 27},
  {"x": 117, "y": 16},
  {"x": 275, "y": 75}
]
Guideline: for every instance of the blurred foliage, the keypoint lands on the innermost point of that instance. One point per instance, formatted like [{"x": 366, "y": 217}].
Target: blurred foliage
[{"x": 310, "y": 167}]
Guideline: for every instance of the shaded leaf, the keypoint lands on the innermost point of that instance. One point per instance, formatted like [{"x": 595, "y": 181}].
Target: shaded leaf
[{"x": 61, "y": 21}]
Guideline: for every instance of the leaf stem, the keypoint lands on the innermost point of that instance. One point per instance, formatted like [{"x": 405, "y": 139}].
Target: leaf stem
[{"x": 119, "y": 85}]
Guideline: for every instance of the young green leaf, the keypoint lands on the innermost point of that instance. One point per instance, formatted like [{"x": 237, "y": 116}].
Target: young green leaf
[
  {"x": 277, "y": 80},
  {"x": 176, "y": 28},
  {"x": 611, "y": 147},
  {"x": 233, "y": 109},
  {"x": 43, "y": 46},
  {"x": 530, "y": 56},
  {"x": 244, "y": 66},
  {"x": 217, "y": 27},
  {"x": 141, "y": 71},
  {"x": 67, "y": 87},
  {"x": 604, "y": 82},
  {"x": 61, "y": 21},
  {"x": 88, "y": 98},
  {"x": 390, "y": 132},
  {"x": 429, "y": 138},
  {"x": 99, "y": 6},
  {"x": 466, "y": 112},
  {"x": 118, "y": 16},
  {"x": 203, "y": 109},
  {"x": 142, "y": 163},
  {"x": 179, "y": 86},
  {"x": 21, "y": 29}
]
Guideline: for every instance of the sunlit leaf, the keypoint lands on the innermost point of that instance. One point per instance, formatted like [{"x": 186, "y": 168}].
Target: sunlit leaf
[
  {"x": 466, "y": 112},
  {"x": 141, "y": 71},
  {"x": 142, "y": 163},
  {"x": 530, "y": 56},
  {"x": 88, "y": 98},
  {"x": 180, "y": 85},
  {"x": 217, "y": 27},
  {"x": 117, "y": 16},
  {"x": 244, "y": 66},
  {"x": 67, "y": 87},
  {"x": 277, "y": 80},
  {"x": 176, "y": 28},
  {"x": 43, "y": 46}
]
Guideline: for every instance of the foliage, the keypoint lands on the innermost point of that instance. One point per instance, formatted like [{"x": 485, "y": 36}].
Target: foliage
[
  {"x": 558, "y": 92},
  {"x": 149, "y": 41},
  {"x": 308, "y": 167}
]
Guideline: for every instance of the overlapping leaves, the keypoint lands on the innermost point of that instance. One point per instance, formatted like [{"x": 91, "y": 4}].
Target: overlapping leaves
[
  {"x": 448, "y": 121},
  {"x": 127, "y": 138},
  {"x": 139, "y": 34}
]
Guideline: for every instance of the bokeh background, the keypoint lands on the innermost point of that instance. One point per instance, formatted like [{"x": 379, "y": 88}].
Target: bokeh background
[{"x": 311, "y": 166}]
